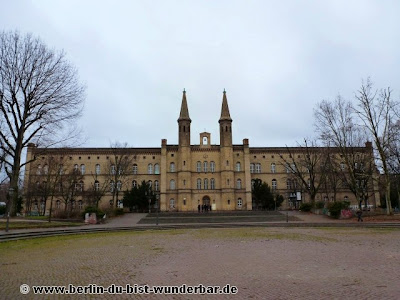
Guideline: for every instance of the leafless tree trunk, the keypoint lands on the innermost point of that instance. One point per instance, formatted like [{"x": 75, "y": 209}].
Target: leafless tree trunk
[
  {"x": 39, "y": 95},
  {"x": 378, "y": 113}
]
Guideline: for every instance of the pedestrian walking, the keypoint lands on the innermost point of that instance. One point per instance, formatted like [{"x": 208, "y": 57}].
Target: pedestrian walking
[{"x": 359, "y": 215}]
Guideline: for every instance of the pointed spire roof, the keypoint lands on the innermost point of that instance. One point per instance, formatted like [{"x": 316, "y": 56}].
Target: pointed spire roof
[
  {"x": 225, "y": 115},
  {"x": 184, "y": 115}
]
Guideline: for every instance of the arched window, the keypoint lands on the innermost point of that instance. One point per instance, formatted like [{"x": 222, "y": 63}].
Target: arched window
[
  {"x": 239, "y": 203},
  {"x": 46, "y": 169},
  {"x": 112, "y": 186},
  {"x": 112, "y": 170},
  {"x": 251, "y": 168},
  {"x": 198, "y": 183},
  {"x": 156, "y": 185},
  {"x": 212, "y": 167},
  {"x": 149, "y": 169},
  {"x": 172, "y": 184},
  {"x": 97, "y": 170},
  {"x": 274, "y": 184},
  {"x": 80, "y": 204},
  {"x": 58, "y": 204},
  {"x": 172, "y": 167},
  {"x": 61, "y": 170},
  {"x": 252, "y": 183},
  {"x": 205, "y": 166},
  {"x": 81, "y": 186},
  {"x": 289, "y": 184},
  {"x": 119, "y": 185},
  {"x": 198, "y": 166},
  {"x": 96, "y": 185},
  {"x": 134, "y": 183},
  {"x": 273, "y": 168},
  {"x": 171, "y": 203},
  {"x": 258, "y": 168},
  {"x": 346, "y": 198},
  {"x": 73, "y": 203},
  {"x": 39, "y": 170},
  {"x": 238, "y": 167},
  {"x": 150, "y": 183},
  {"x": 206, "y": 184},
  {"x": 135, "y": 169},
  {"x": 82, "y": 169},
  {"x": 239, "y": 184},
  {"x": 157, "y": 169},
  {"x": 212, "y": 183},
  {"x": 76, "y": 168}
]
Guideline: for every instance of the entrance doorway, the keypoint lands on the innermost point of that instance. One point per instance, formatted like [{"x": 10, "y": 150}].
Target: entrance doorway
[{"x": 206, "y": 200}]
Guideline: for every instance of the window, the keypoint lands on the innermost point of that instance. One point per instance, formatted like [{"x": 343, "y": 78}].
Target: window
[
  {"x": 157, "y": 169},
  {"x": 112, "y": 186},
  {"x": 289, "y": 184},
  {"x": 46, "y": 169},
  {"x": 239, "y": 184},
  {"x": 273, "y": 168},
  {"x": 294, "y": 169},
  {"x": 134, "y": 183},
  {"x": 119, "y": 185},
  {"x": 73, "y": 203},
  {"x": 206, "y": 184},
  {"x": 238, "y": 167},
  {"x": 258, "y": 168},
  {"x": 135, "y": 169},
  {"x": 172, "y": 184},
  {"x": 212, "y": 183},
  {"x": 172, "y": 203},
  {"x": 112, "y": 171},
  {"x": 58, "y": 204},
  {"x": 346, "y": 198},
  {"x": 251, "y": 168},
  {"x": 81, "y": 186},
  {"x": 199, "y": 184},
  {"x": 149, "y": 169},
  {"x": 39, "y": 170},
  {"x": 61, "y": 170},
  {"x": 212, "y": 167},
  {"x": 76, "y": 168},
  {"x": 80, "y": 204},
  {"x": 96, "y": 185},
  {"x": 198, "y": 166},
  {"x": 287, "y": 168},
  {"x": 274, "y": 184},
  {"x": 97, "y": 169},
  {"x": 83, "y": 169},
  {"x": 156, "y": 185},
  {"x": 150, "y": 183},
  {"x": 252, "y": 183},
  {"x": 172, "y": 167},
  {"x": 205, "y": 166},
  {"x": 205, "y": 141},
  {"x": 239, "y": 203}
]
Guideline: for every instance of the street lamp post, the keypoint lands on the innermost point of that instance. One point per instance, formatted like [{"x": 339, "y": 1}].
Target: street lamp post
[
  {"x": 157, "y": 207},
  {"x": 10, "y": 195},
  {"x": 149, "y": 199}
]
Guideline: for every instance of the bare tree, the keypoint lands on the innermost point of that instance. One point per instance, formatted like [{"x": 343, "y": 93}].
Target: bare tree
[
  {"x": 97, "y": 190},
  {"x": 306, "y": 165},
  {"x": 336, "y": 123},
  {"x": 39, "y": 95},
  {"x": 119, "y": 166},
  {"x": 70, "y": 186},
  {"x": 378, "y": 113}
]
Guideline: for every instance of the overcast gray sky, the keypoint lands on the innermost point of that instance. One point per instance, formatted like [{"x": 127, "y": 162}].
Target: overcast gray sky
[{"x": 276, "y": 60}]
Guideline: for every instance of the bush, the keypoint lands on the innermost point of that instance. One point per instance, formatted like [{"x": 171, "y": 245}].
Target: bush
[
  {"x": 92, "y": 209},
  {"x": 306, "y": 206},
  {"x": 336, "y": 207},
  {"x": 319, "y": 204},
  {"x": 118, "y": 211}
]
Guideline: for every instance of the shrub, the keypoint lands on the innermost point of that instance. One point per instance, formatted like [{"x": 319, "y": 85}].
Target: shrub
[
  {"x": 319, "y": 204},
  {"x": 305, "y": 206},
  {"x": 118, "y": 211},
  {"x": 336, "y": 207},
  {"x": 92, "y": 209}
]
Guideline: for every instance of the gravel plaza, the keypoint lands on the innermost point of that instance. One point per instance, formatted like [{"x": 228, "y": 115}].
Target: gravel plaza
[{"x": 263, "y": 263}]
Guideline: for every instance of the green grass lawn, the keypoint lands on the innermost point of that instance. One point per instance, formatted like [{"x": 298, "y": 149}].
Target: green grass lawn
[{"x": 23, "y": 225}]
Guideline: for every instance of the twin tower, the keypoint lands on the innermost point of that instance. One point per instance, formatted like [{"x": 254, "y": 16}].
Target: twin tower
[{"x": 225, "y": 124}]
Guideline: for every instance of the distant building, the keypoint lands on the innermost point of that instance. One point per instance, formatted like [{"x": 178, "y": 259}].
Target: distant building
[{"x": 186, "y": 175}]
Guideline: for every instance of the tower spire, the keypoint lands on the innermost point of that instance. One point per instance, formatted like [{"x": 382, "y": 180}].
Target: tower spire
[
  {"x": 225, "y": 115},
  {"x": 184, "y": 115}
]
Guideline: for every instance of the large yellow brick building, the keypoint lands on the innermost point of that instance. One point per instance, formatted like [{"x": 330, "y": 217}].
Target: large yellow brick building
[{"x": 186, "y": 175}]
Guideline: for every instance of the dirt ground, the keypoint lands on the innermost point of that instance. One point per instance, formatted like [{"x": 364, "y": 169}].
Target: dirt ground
[{"x": 263, "y": 263}]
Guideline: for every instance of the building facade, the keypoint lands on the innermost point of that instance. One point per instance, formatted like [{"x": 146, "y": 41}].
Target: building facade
[{"x": 183, "y": 175}]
